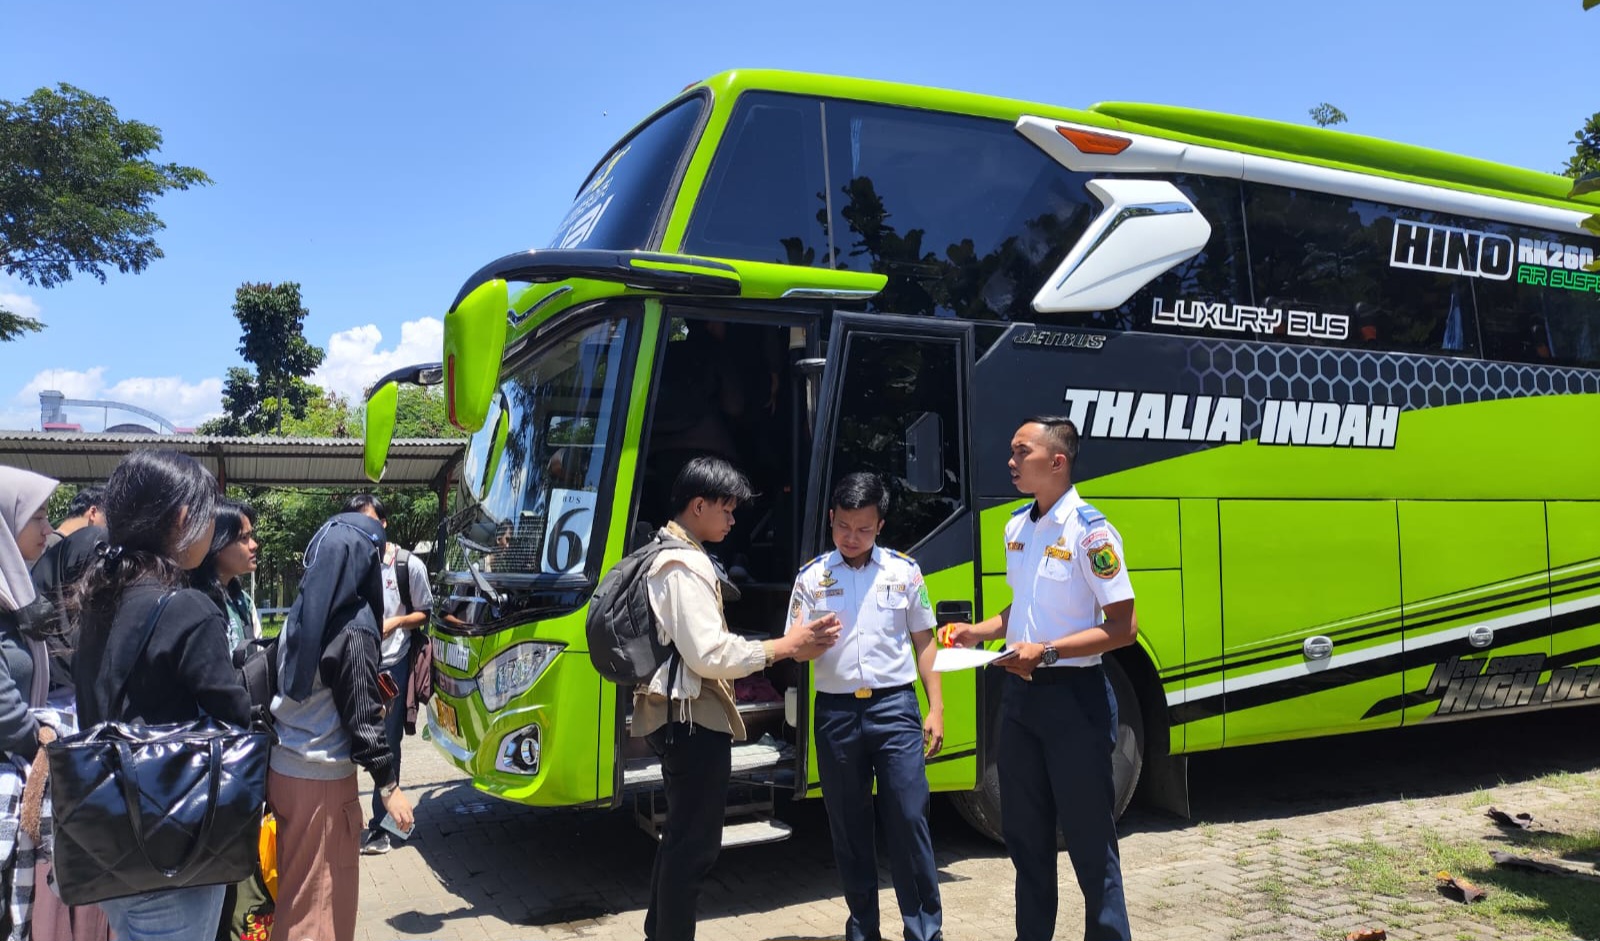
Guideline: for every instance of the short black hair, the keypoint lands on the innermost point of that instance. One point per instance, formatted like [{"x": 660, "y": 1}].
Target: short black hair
[
  {"x": 1060, "y": 432},
  {"x": 712, "y": 479},
  {"x": 86, "y": 499},
  {"x": 861, "y": 489},
  {"x": 361, "y": 501}
]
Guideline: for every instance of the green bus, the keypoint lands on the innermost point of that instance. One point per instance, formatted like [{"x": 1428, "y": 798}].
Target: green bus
[{"x": 1333, "y": 390}]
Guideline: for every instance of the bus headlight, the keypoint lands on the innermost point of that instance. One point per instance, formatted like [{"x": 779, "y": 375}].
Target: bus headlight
[{"x": 512, "y": 672}]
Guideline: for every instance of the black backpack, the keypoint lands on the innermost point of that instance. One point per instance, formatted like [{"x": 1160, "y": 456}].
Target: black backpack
[{"x": 624, "y": 644}]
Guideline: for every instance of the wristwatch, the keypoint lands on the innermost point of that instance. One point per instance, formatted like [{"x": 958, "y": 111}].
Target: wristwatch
[
  {"x": 388, "y": 789},
  {"x": 1050, "y": 656}
]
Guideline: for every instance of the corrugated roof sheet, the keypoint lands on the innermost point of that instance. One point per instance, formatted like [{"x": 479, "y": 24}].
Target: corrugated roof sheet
[{"x": 83, "y": 457}]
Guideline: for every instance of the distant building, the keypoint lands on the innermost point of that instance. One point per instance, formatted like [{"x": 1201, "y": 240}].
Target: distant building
[{"x": 53, "y": 416}]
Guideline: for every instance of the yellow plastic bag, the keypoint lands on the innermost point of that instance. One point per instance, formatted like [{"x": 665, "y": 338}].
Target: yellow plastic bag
[{"x": 269, "y": 854}]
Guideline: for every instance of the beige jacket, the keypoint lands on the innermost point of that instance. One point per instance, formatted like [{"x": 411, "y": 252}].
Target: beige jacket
[{"x": 686, "y": 598}]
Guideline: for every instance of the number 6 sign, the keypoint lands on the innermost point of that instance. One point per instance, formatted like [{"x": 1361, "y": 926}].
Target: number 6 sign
[{"x": 566, "y": 540}]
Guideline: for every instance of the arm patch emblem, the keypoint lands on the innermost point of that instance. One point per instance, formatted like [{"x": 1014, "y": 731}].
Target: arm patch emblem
[{"x": 1104, "y": 561}]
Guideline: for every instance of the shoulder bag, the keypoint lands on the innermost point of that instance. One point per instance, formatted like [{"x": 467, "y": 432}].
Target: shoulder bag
[{"x": 145, "y": 808}]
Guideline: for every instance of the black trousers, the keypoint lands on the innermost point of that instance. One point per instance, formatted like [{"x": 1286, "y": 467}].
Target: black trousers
[
  {"x": 695, "y": 765},
  {"x": 859, "y": 741},
  {"x": 1057, "y": 734}
]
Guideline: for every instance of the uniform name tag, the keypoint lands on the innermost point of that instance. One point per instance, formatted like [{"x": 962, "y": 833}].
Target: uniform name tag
[
  {"x": 1058, "y": 552},
  {"x": 1014, "y": 547}
]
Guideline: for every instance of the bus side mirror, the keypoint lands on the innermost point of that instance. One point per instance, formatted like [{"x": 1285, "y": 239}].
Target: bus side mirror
[
  {"x": 382, "y": 405},
  {"x": 474, "y": 342}
]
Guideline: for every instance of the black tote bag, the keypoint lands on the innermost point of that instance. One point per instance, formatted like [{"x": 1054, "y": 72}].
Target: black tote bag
[{"x": 144, "y": 808}]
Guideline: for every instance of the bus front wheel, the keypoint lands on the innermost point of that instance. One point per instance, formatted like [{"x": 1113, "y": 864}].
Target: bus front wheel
[{"x": 980, "y": 807}]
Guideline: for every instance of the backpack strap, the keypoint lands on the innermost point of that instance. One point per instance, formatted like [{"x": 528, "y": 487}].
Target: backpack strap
[
  {"x": 119, "y": 702},
  {"x": 402, "y": 578}
]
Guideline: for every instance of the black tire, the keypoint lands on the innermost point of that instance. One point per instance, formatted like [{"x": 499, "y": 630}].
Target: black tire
[{"x": 980, "y": 807}]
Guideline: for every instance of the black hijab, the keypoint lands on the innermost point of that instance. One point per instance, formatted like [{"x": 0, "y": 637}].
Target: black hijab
[{"x": 342, "y": 587}]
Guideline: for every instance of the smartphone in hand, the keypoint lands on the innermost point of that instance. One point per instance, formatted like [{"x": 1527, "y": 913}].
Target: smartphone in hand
[{"x": 388, "y": 824}]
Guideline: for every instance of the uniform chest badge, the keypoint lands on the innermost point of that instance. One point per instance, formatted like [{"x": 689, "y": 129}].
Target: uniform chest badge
[
  {"x": 828, "y": 581},
  {"x": 1058, "y": 552},
  {"x": 1014, "y": 547}
]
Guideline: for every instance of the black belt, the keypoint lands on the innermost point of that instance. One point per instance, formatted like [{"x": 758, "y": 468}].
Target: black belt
[
  {"x": 1049, "y": 675},
  {"x": 867, "y": 692}
]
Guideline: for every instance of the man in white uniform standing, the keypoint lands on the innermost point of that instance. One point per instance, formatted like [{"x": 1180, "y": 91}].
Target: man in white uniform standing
[
  {"x": 869, "y": 725},
  {"x": 1071, "y": 602}
]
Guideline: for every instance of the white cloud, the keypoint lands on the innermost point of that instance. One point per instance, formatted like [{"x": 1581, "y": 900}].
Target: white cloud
[
  {"x": 20, "y": 304},
  {"x": 185, "y": 404},
  {"x": 354, "y": 360}
]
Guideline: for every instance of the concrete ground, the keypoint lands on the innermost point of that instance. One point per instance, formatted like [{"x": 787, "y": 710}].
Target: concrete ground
[{"x": 1291, "y": 841}]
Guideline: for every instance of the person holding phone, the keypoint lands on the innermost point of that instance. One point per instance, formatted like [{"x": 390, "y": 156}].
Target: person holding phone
[
  {"x": 869, "y": 725},
  {"x": 406, "y": 600},
  {"x": 1071, "y": 603}
]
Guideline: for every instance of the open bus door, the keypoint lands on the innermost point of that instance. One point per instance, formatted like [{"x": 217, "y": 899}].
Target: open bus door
[{"x": 893, "y": 400}]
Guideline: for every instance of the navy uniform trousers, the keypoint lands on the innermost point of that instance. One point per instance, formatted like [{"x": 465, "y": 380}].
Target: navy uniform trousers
[
  {"x": 857, "y": 740},
  {"x": 1057, "y": 734}
]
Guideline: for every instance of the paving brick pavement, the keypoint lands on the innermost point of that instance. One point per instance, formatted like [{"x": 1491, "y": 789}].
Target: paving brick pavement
[{"x": 1264, "y": 857}]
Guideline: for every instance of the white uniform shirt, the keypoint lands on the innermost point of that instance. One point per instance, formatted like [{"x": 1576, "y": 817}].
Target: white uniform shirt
[
  {"x": 398, "y": 643},
  {"x": 879, "y": 606},
  {"x": 1062, "y": 569}
]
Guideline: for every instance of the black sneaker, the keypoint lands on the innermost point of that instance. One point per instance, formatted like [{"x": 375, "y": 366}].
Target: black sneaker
[{"x": 375, "y": 843}]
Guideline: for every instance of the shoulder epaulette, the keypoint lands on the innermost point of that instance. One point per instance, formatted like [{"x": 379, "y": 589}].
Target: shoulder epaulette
[
  {"x": 1089, "y": 516},
  {"x": 808, "y": 565},
  {"x": 1021, "y": 509}
]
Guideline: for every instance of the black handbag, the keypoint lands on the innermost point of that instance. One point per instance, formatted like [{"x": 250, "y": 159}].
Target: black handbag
[{"x": 144, "y": 808}]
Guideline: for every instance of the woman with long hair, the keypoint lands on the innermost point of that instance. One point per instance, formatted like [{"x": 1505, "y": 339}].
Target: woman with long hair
[
  {"x": 232, "y": 556},
  {"x": 160, "y": 514},
  {"x": 24, "y": 685}
]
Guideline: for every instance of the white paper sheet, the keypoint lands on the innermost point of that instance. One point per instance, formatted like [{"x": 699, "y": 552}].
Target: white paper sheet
[{"x": 950, "y": 659}]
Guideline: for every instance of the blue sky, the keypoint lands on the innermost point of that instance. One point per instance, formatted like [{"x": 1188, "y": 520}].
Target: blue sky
[{"x": 380, "y": 153}]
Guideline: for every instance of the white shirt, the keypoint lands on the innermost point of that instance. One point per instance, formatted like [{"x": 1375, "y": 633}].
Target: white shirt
[
  {"x": 1063, "y": 569},
  {"x": 879, "y": 605},
  {"x": 398, "y": 643}
]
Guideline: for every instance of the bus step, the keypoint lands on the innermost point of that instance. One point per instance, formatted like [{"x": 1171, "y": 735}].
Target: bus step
[
  {"x": 746, "y": 824},
  {"x": 646, "y": 772},
  {"x": 753, "y": 830}
]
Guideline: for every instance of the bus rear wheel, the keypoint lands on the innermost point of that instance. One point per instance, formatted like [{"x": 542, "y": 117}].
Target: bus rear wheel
[{"x": 980, "y": 807}]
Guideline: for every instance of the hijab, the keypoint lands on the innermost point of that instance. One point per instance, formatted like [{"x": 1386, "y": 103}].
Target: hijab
[
  {"x": 21, "y": 494},
  {"x": 342, "y": 587}
]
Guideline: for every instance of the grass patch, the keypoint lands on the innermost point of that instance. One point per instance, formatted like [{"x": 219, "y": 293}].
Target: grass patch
[
  {"x": 1480, "y": 797},
  {"x": 1276, "y": 892},
  {"x": 1376, "y": 868},
  {"x": 1270, "y": 835},
  {"x": 1520, "y": 905}
]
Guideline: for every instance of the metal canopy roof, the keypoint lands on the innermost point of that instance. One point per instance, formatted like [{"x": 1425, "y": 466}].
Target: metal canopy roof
[{"x": 83, "y": 457}]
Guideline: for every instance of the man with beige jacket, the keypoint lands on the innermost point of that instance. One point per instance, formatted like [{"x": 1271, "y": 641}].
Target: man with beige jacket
[{"x": 687, "y": 710}]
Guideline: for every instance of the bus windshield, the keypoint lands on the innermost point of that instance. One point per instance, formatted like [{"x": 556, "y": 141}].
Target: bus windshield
[
  {"x": 619, "y": 205},
  {"x": 531, "y": 477}
]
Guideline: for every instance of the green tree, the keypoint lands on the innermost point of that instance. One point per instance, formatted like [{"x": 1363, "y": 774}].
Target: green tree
[
  {"x": 1585, "y": 157},
  {"x": 76, "y": 187},
  {"x": 1326, "y": 115},
  {"x": 272, "y": 339}
]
